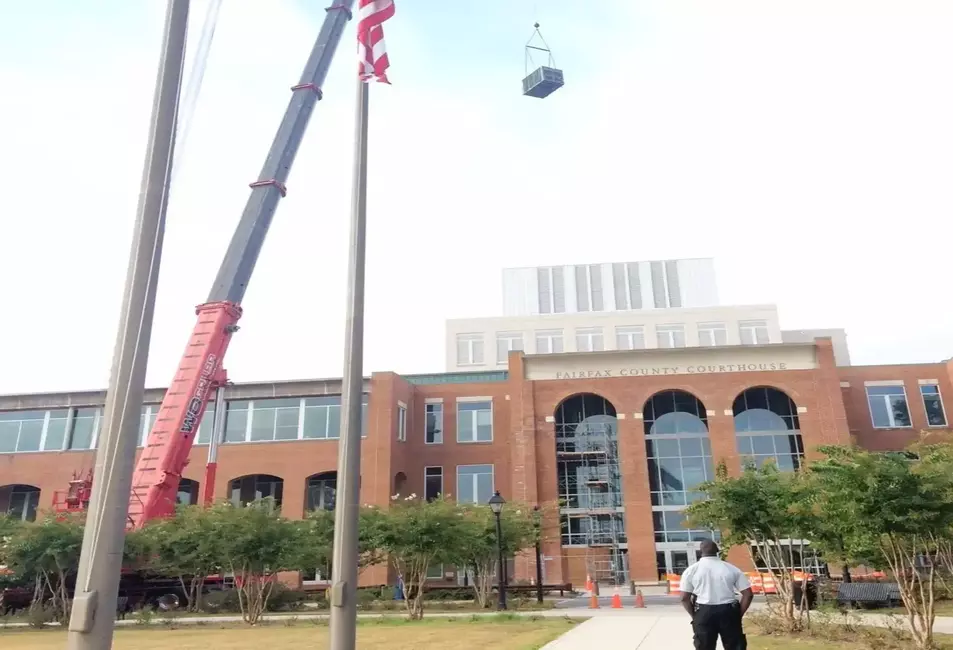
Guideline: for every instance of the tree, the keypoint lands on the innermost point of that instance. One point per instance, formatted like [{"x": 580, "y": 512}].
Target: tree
[
  {"x": 187, "y": 546},
  {"x": 478, "y": 548},
  {"x": 254, "y": 543},
  {"x": 414, "y": 534},
  {"x": 48, "y": 553},
  {"x": 758, "y": 510},
  {"x": 900, "y": 509},
  {"x": 317, "y": 539}
]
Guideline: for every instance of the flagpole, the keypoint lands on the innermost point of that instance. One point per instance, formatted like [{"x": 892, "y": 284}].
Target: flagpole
[{"x": 345, "y": 555}]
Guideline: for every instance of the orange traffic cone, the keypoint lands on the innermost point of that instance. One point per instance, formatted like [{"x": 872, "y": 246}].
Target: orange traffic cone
[
  {"x": 616, "y": 600},
  {"x": 593, "y": 601},
  {"x": 588, "y": 583},
  {"x": 639, "y": 599}
]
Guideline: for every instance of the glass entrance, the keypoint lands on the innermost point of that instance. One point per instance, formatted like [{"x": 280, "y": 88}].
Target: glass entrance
[{"x": 674, "y": 561}]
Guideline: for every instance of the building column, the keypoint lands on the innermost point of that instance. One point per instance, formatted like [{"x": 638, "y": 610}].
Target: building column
[
  {"x": 525, "y": 477},
  {"x": 636, "y": 496},
  {"x": 724, "y": 445}
]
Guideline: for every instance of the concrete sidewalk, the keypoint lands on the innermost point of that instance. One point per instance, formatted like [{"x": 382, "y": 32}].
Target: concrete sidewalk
[{"x": 668, "y": 631}]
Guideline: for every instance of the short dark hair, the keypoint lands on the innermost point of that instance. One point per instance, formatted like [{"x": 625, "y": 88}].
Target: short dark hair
[{"x": 708, "y": 548}]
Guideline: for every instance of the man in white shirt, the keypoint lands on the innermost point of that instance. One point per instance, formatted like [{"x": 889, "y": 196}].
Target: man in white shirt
[{"x": 709, "y": 589}]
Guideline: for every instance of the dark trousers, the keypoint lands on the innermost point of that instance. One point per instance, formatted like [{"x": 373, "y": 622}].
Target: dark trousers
[{"x": 712, "y": 621}]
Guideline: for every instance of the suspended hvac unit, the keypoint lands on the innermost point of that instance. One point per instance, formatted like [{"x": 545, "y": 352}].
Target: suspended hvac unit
[{"x": 540, "y": 80}]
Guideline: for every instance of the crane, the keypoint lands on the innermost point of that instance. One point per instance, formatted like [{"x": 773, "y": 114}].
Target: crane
[{"x": 200, "y": 373}]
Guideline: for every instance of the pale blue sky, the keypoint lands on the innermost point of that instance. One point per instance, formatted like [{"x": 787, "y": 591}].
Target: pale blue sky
[{"x": 805, "y": 144}]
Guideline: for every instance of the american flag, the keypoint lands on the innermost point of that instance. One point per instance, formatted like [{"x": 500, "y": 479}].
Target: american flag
[{"x": 370, "y": 39}]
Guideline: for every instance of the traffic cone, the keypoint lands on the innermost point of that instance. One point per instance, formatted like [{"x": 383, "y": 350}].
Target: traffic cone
[
  {"x": 588, "y": 583},
  {"x": 616, "y": 600},
  {"x": 639, "y": 599},
  {"x": 593, "y": 601}
]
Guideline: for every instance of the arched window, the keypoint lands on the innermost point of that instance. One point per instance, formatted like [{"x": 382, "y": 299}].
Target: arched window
[
  {"x": 245, "y": 489},
  {"x": 188, "y": 494},
  {"x": 767, "y": 428},
  {"x": 679, "y": 460},
  {"x": 589, "y": 481},
  {"x": 321, "y": 491},
  {"x": 400, "y": 483},
  {"x": 20, "y": 501}
]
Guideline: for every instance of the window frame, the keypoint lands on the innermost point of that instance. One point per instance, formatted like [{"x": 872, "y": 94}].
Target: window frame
[
  {"x": 713, "y": 329},
  {"x": 475, "y": 400},
  {"x": 939, "y": 398},
  {"x": 442, "y": 482},
  {"x": 629, "y": 332},
  {"x": 671, "y": 331},
  {"x": 590, "y": 334},
  {"x": 441, "y": 423},
  {"x": 886, "y": 401},
  {"x": 550, "y": 336},
  {"x": 474, "y": 476},
  {"x": 754, "y": 325},
  {"x": 508, "y": 337},
  {"x": 401, "y": 422},
  {"x": 471, "y": 338}
]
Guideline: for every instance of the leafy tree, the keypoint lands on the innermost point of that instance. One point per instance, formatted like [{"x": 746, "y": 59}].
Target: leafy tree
[
  {"x": 187, "y": 546},
  {"x": 900, "y": 508},
  {"x": 478, "y": 547},
  {"x": 317, "y": 539},
  {"x": 414, "y": 534},
  {"x": 48, "y": 553},
  {"x": 254, "y": 543},
  {"x": 758, "y": 510}
]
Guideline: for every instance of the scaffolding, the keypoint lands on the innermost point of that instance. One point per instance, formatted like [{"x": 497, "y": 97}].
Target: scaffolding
[{"x": 591, "y": 509}]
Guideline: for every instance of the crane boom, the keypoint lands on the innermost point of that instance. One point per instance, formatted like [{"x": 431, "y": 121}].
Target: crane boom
[{"x": 155, "y": 481}]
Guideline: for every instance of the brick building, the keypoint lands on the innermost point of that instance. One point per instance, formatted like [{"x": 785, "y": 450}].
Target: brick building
[{"x": 614, "y": 442}]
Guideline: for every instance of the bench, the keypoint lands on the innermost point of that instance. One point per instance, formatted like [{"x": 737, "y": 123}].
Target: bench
[{"x": 531, "y": 589}]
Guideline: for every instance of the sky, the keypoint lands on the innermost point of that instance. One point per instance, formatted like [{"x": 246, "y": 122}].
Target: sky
[{"x": 806, "y": 145}]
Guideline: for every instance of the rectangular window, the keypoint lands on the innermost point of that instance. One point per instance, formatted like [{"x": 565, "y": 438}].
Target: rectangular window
[
  {"x": 434, "y": 423},
  {"x": 25, "y": 431},
  {"x": 474, "y": 483},
  {"x": 274, "y": 419},
  {"x": 433, "y": 483},
  {"x": 549, "y": 341},
  {"x": 710, "y": 334},
  {"x": 85, "y": 430},
  {"x": 469, "y": 349},
  {"x": 475, "y": 422},
  {"x": 589, "y": 339},
  {"x": 147, "y": 421},
  {"x": 552, "y": 290},
  {"x": 753, "y": 332},
  {"x": 434, "y": 571},
  {"x": 933, "y": 405},
  {"x": 505, "y": 342},
  {"x": 888, "y": 407},
  {"x": 625, "y": 280},
  {"x": 670, "y": 336},
  {"x": 630, "y": 337},
  {"x": 401, "y": 423},
  {"x": 589, "y": 288}
]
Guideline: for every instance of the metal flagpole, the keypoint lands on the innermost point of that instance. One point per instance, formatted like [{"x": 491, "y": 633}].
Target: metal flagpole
[
  {"x": 97, "y": 584},
  {"x": 344, "y": 560}
]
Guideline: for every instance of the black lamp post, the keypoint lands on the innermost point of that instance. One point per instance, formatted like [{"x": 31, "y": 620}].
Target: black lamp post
[
  {"x": 539, "y": 558},
  {"x": 496, "y": 505}
]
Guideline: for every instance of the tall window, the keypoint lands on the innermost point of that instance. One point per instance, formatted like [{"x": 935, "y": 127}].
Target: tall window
[
  {"x": 474, "y": 483},
  {"x": 678, "y": 448},
  {"x": 625, "y": 282},
  {"x": 767, "y": 428},
  {"x": 933, "y": 405},
  {"x": 505, "y": 342},
  {"x": 188, "y": 492},
  {"x": 589, "y": 288},
  {"x": 475, "y": 421},
  {"x": 753, "y": 332},
  {"x": 433, "y": 413},
  {"x": 665, "y": 284},
  {"x": 469, "y": 349},
  {"x": 401, "y": 423},
  {"x": 549, "y": 341},
  {"x": 322, "y": 417},
  {"x": 589, "y": 339},
  {"x": 630, "y": 337},
  {"x": 888, "y": 407},
  {"x": 22, "y": 501},
  {"x": 670, "y": 336},
  {"x": 147, "y": 420},
  {"x": 85, "y": 430},
  {"x": 246, "y": 489},
  {"x": 711, "y": 334},
  {"x": 321, "y": 491},
  {"x": 433, "y": 483},
  {"x": 552, "y": 290}
]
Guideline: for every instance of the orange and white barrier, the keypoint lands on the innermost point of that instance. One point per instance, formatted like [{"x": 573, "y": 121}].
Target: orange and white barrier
[
  {"x": 674, "y": 583},
  {"x": 764, "y": 583}
]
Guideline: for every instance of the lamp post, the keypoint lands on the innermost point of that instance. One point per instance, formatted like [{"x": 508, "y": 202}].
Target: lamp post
[
  {"x": 496, "y": 505},
  {"x": 539, "y": 557}
]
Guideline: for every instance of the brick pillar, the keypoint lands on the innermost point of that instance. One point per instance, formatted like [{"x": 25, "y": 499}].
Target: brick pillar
[
  {"x": 522, "y": 444},
  {"x": 639, "y": 530},
  {"x": 724, "y": 445}
]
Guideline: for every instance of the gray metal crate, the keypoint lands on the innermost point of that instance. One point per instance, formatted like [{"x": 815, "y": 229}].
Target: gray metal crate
[{"x": 542, "y": 82}]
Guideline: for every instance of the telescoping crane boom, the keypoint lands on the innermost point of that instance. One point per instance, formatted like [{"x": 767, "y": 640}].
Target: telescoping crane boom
[{"x": 155, "y": 481}]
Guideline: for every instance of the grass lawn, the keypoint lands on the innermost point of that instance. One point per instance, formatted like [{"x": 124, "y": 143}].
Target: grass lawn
[{"x": 434, "y": 634}]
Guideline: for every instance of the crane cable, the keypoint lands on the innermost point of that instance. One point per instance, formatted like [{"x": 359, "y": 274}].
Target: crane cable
[{"x": 187, "y": 105}]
